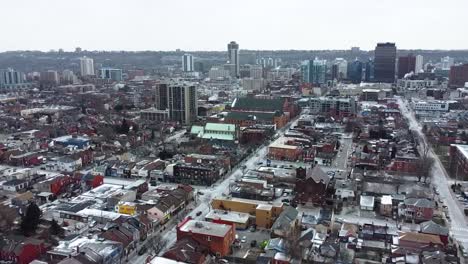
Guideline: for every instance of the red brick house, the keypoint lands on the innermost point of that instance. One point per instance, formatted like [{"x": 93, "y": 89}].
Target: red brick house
[
  {"x": 218, "y": 238},
  {"x": 187, "y": 250},
  {"x": 417, "y": 242},
  {"x": 21, "y": 250},
  {"x": 417, "y": 209}
]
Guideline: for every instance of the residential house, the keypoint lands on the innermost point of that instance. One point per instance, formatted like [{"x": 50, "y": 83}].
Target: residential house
[
  {"x": 187, "y": 250},
  {"x": 286, "y": 223},
  {"x": 417, "y": 209}
]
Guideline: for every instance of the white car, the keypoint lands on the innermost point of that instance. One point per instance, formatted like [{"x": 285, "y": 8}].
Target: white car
[{"x": 244, "y": 239}]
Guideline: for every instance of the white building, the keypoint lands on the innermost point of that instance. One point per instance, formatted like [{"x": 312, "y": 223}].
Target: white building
[
  {"x": 86, "y": 66},
  {"x": 69, "y": 77},
  {"x": 342, "y": 68},
  {"x": 446, "y": 62},
  {"x": 217, "y": 72},
  {"x": 252, "y": 84},
  {"x": 187, "y": 63},
  {"x": 404, "y": 84},
  {"x": 256, "y": 71},
  {"x": 419, "y": 64},
  {"x": 431, "y": 105}
]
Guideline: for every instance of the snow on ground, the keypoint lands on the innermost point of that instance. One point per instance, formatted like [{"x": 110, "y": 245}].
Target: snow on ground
[{"x": 458, "y": 223}]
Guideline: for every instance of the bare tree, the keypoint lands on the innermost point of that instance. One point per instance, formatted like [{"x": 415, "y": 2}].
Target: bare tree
[
  {"x": 425, "y": 161},
  {"x": 7, "y": 218},
  {"x": 292, "y": 245}
]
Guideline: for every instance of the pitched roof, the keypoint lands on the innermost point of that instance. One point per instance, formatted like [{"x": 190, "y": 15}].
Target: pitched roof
[
  {"x": 252, "y": 116},
  {"x": 220, "y": 127},
  {"x": 430, "y": 227},
  {"x": 420, "y": 238},
  {"x": 424, "y": 203},
  {"x": 256, "y": 104},
  {"x": 284, "y": 220},
  {"x": 187, "y": 250},
  {"x": 318, "y": 175}
]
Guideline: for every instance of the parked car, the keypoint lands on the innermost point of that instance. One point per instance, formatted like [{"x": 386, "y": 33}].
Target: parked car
[
  {"x": 253, "y": 243},
  {"x": 244, "y": 239},
  {"x": 142, "y": 250},
  {"x": 199, "y": 213},
  {"x": 252, "y": 229}
]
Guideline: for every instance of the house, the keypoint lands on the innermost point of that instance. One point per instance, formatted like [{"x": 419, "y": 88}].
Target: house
[
  {"x": 218, "y": 238},
  {"x": 15, "y": 185},
  {"x": 417, "y": 209},
  {"x": 430, "y": 227},
  {"x": 20, "y": 250},
  {"x": 187, "y": 250},
  {"x": 123, "y": 235},
  {"x": 286, "y": 223},
  {"x": 386, "y": 205},
  {"x": 69, "y": 163},
  {"x": 417, "y": 242},
  {"x": 313, "y": 188}
]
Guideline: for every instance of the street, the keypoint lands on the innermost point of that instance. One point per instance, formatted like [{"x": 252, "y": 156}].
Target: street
[
  {"x": 458, "y": 224},
  {"x": 216, "y": 190}
]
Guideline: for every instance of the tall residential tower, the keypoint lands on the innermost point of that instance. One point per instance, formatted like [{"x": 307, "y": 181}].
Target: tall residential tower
[
  {"x": 384, "y": 62},
  {"x": 86, "y": 66},
  {"x": 233, "y": 56}
]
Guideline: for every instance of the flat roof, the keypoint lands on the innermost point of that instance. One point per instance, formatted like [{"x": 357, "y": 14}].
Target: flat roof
[
  {"x": 234, "y": 217},
  {"x": 280, "y": 143},
  {"x": 161, "y": 260},
  {"x": 249, "y": 201},
  {"x": 205, "y": 228}
]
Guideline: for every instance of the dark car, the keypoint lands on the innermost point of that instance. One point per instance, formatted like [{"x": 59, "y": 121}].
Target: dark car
[
  {"x": 253, "y": 243},
  {"x": 199, "y": 213},
  {"x": 142, "y": 250}
]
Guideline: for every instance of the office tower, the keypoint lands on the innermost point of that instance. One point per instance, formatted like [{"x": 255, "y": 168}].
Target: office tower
[
  {"x": 68, "y": 77},
  {"x": 111, "y": 74},
  {"x": 340, "y": 69},
  {"x": 179, "y": 99},
  {"x": 233, "y": 56},
  {"x": 199, "y": 66},
  {"x": 446, "y": 62},
  {"x": 419, "y": 64},
  {"x": 187, "y": 63},
  {"x": 49, "y": 77},
  {"x": 355, "y": 71},
  {"x": 406, "y": 64},
  {"x": 86, "y": 66},
  {"x": 384, "y": 62},
  {"x": 10, "y": 78},
  {"x": 314, "y": 71},
  {"x": 370, "y": 71},
  {"x": 458, "y": 76}
]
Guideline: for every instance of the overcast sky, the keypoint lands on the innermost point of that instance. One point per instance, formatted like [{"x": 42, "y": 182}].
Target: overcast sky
[{"x": 211, "y": 24}]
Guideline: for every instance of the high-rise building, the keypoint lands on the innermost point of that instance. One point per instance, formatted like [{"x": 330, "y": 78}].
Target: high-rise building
[
  {"x": 370, "y": 71},
  {"x": 233, "y": 56},
  {"x": 419, "y": 64},
  {"x": 406, "y": 64},
  {"x": 10, "y": 78},
  {"x": 68, "y": 77},
  {"x": 49, "y": 77},
  {"x": 458, "y": 76},
  {"x": 256, "y": 71},
  {"x": 384, "y": 62},
  {"x": 187, "y": 63},
  {"x": 111, "y": 74},
  {"x": 179, "y": 99},
  {"x": 314, "y": 71},
  {"x": 446, "y": 63},
  {"x": 86, "y": 66},
  {"x": 340, "y": 69},
  {"x": 355, "y": 71}
]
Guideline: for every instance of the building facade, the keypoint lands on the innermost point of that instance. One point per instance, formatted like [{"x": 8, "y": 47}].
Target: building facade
[
  {"x": 179, "y": 98},
  {"x": 111, "y": 74},
  {"x": 355, "y": 71},
  {"x": 86, "y": 66},
  {"x": 384, "y": 62},
  {"x": 458, "y": 75},
  {"x": 406, "y": 64},
  {"x": 187, "y": 63},
  {"x": 233, "y": 56}
]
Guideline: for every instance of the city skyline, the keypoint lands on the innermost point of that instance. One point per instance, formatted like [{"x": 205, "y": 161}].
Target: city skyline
[{"x": 301, "y": 25}]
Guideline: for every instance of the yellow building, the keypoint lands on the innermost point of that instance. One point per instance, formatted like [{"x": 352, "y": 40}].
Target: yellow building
[
  {"x": 127, "y": 208},
  {"x": 265, "y": 213}
]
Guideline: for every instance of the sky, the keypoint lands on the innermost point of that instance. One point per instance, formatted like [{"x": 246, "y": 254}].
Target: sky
[{"x": 191, "y": 25}]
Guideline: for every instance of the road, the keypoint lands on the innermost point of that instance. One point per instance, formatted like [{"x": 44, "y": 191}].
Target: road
[
  {"x": 217, "y": 189},
  {"x": 440, "y": 179}
]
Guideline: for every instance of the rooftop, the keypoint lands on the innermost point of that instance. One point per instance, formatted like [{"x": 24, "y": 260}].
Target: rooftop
[
  {"x": 233, "y": 217},
  {"x": 205, "y": 228}
]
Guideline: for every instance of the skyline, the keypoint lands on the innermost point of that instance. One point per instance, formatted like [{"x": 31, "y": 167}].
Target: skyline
[{"x": 208, "y": 26}]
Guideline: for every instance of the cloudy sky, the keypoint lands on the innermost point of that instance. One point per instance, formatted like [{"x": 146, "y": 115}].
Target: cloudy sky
[{"x": 211, "y": 24}]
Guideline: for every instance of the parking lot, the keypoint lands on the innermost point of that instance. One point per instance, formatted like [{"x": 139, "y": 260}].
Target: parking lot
[{"x": 258, "y": 235}]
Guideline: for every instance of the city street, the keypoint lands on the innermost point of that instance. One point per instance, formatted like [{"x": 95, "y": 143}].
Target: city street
[
  {"x": 458, "y": 223},
  {"x": 217, "y": 189}
]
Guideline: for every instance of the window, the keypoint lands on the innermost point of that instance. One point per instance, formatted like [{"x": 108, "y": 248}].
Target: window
[{"x": 208, "y": 238}]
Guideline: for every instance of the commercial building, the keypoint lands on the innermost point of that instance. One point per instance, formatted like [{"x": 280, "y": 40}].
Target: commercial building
[
  {"x": 419, "y": 66},
  {"x": 153, "y": 115},
  {"x": 68, "y": 77},
  {"x": 355, "y": 71},
  {"x": 406, "y": 64},
  {"x": 459, "y": 161},
  {"x": 446, "y": 63},
  {"x": 384, "y": 62},
  {"x": 265, "y": 212},
  {"x": 214, "y": 131},
  {"x": 233, "y": 56},
  {"x": 335, "y": 106},
  {"x": 458, "y": 75},
  {"x": 49, "y": 78},
  {"x": 218, "y": 72},
  {"x": 240, "y": 220},
  {"x": 11, "y": 79},
  {"x": 314, "y": 71},
  {"x": 218, "y": 238},
  {"x": 340, "y": 69},
  {"x": 187, "y": 63},
  {"x": 179, "y": 98},
  {"x": 281, "y": 150},
  {"x": 431, "y": 105},
  {"x": 369, "y": 71},
  {"x": 86, "y": 66},
  {"x": 111, "y": 74}
]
